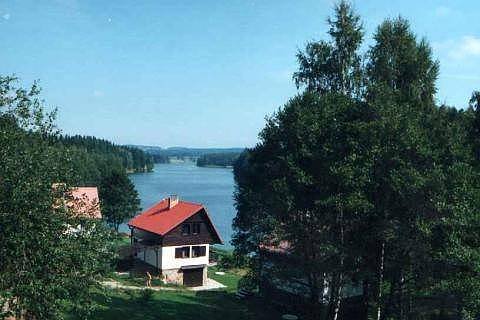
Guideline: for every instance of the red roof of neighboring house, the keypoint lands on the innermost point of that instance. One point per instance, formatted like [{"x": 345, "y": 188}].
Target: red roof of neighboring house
[
  {"x": 160, "y": 219},
  {"x": 283, "y": 247},
  {"x": 85, "y": 202}
]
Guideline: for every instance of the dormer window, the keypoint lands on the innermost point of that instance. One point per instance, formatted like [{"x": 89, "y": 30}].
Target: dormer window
[
  {"x": 186, "y": 229},
  {"x": 196, "y": 228}
]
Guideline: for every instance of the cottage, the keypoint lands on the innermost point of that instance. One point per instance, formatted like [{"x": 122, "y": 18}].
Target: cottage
[
  {"x": 84, "y": 202},
  {"x": 282, "y": 281},
  {"x": 174, "y": 236},
  {"x": 80, "y": 201}
]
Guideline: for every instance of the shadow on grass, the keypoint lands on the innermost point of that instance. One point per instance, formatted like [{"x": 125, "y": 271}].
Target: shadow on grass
[{"x": 117, "y": 304}]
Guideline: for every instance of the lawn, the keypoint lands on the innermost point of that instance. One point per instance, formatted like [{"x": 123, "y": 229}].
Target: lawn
[{"x": 183, "y": 304}]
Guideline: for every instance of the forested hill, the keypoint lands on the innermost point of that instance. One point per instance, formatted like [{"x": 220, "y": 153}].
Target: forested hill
[
  {"x": 107, "y": 154},
  {"x": 226, "y": 159},
  {"x": 162, "y": 155}
]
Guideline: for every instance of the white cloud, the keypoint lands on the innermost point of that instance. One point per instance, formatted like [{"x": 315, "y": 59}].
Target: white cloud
[
  {"x": 460, "y": 49},
  {"x": 6, "y": 16},
  {"x": 468, "y": 46}
]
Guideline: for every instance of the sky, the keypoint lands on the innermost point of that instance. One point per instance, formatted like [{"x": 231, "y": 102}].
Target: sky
[{"x": 200, "y": 73}]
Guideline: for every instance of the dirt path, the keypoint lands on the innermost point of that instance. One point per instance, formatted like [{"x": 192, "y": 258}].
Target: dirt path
[{"x": 114, "y": 284}]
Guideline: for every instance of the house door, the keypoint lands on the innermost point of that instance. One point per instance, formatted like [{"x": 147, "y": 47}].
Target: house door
[{"x": 193, "y": 277}]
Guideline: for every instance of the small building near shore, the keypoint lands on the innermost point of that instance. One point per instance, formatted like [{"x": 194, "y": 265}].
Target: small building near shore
[{"x": 174, "y": 237}]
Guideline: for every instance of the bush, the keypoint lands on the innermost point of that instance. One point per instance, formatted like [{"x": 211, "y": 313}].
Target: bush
[
  {"x": 248, "y": 281},
  {"x": 146, "y": 295},
  {"x": 227, "y": 259},
  {"x": 124, "y": 264}
]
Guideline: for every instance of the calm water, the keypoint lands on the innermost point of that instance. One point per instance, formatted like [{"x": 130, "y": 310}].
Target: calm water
[{"x": 213, "y": 187}]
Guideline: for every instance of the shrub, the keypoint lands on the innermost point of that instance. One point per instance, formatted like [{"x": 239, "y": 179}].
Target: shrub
[
  {"x": 146, "y": 295},
  {"x": 248, "y": 281}
]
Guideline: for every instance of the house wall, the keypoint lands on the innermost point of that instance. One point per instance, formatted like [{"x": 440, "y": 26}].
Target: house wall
[
  {"x": 146, "y": 236},
  {"x": 149, "y": 256},
  {"x": 170, "y": 262}
]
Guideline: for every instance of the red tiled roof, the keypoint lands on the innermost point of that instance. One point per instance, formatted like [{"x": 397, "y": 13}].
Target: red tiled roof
[
  {"x": 85, "y": 202},
  {"x": 283, "y": 247},
  {"x": 159, "y": 219}
]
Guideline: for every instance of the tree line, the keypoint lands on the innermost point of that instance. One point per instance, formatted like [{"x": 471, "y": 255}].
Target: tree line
[
  {"x": 132, "y": 159},
  {"x": 163, "y": 155},
  {"x": 225, "y": 159},
  {"x": 369, "y": 180}
]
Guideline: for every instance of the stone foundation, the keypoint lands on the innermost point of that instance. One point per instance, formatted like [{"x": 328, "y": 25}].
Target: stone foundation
[{"x": 175, "y": 276}]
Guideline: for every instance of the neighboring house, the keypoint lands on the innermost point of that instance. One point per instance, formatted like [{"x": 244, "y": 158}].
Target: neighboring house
[
  {"x": 282, "y": 281},
  {"x": 85, "y": 202},
  {"x": 81, "y": 201},
  {"x": 174, "y": 237}
]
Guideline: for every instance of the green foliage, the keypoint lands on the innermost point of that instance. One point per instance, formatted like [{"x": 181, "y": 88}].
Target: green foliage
[
  {"x": 400, "y": 67},
  {"x": 49, "y": 256},
  {"x": 119, "y": 199},
  {"x": 146, "y": 295},
  {"x": 227, "y": 259},
  {"x": 97, "y": 158},
  {"x": 369, "y": 182},
  {"x": 334, "y": 66},
  {"x": 161, "y": 155},
  {"x": 249, "y": 281},
  {"x": 217, "y": 159}
]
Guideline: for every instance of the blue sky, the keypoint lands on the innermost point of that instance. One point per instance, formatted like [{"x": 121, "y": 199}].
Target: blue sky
[{"x": 200, "y": 73}]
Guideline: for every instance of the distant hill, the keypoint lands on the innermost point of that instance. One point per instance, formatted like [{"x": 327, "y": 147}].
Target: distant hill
[{"x": 164, "y": 155}]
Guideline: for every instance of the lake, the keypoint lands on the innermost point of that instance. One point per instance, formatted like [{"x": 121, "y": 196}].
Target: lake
[{"x": 212, "y": 187}]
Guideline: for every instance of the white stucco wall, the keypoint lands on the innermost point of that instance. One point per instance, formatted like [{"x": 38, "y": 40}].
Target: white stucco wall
[{"x": 169, "y": 261}]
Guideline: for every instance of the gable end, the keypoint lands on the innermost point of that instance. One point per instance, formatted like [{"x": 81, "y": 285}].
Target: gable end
[{"x": 207, "y": 234}]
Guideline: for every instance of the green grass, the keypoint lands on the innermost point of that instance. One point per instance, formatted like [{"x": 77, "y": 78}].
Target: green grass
[
  {"x": 121, "y": 241},
  {"x": 229, "y": 279},
  {"x": 182, "y": 304}
]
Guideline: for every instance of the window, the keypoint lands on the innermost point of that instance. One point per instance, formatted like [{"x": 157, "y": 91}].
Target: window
[
  {"x": 182, "y": 252},
  {"x": 196, "y": 228},
  {"x": 199, "y": 251},
  {"x": 186, "y": 229}
]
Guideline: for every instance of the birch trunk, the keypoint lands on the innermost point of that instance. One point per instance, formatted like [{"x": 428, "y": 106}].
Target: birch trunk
[
  {"x": 380, "y": 281},
  {"x": 338, "y": 301},
  {"x": 339, "y": 286}
]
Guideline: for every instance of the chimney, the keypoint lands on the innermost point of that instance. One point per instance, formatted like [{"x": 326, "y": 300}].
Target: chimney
[{"x": 172, "y": 201}]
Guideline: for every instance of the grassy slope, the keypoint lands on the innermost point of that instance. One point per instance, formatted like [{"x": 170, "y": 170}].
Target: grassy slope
[{"x": 183, "y": 304}]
